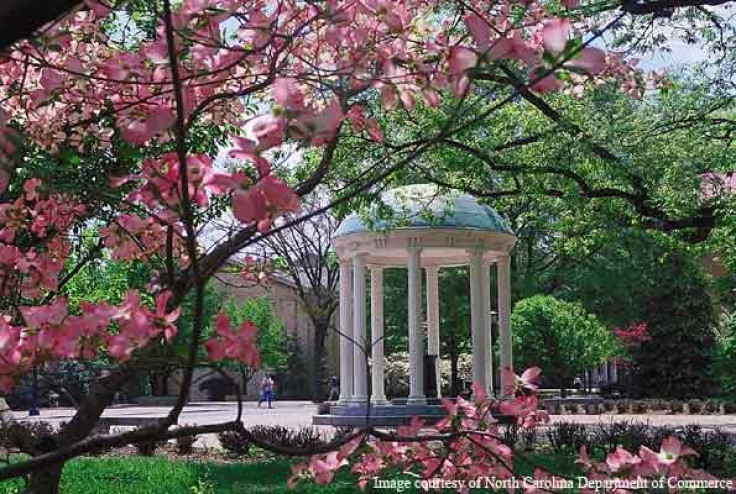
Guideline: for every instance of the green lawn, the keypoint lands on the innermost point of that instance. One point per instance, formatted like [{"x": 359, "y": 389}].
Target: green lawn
[{"x": 139, "y": 475}]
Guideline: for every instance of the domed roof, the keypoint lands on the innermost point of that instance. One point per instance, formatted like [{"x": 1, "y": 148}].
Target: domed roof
[{"x": 425, "y": 206}]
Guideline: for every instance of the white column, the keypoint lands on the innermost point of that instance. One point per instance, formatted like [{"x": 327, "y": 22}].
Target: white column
[
  {"x": 433, "y": 321},
  {"x": 416, "y": 342},
  {"x": 478, "y": 318},
  {"x": 360, "y": 347},
  {"x": 488, "y": 327},
  {"x": 504, "y": 317},
  {"x": 346, "y": 332},
  {"x": 378, "y": 394}
]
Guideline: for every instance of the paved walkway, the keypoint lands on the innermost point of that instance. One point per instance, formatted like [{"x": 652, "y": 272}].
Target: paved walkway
[
  {"x": 288, "y": 413},
  {"x": 299, "y": 413}
]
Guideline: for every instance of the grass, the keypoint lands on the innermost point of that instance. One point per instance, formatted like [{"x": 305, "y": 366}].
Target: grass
[{"x": 140, "y": 475}]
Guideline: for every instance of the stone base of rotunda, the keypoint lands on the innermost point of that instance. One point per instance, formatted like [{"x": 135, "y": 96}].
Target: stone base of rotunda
[{"x": 355, "y": 414}]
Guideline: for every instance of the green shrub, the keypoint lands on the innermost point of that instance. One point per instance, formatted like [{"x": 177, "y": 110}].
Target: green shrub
[
  {"x": 149, "y": 447},
  {"x": 567, "y": 436},
  {"x": 724, "y": 355},
  {"x": 694, "y": 406},
  {"x": 639, "y": 406},
  {"x": 711, "y": 445},
  {"x": 572, "y": 339},
  {"x": 622, "y": 406},
  {"x": 185, "y": 444},
  {"x": 235, "y": 442},
  {"x": 676, "y": 406},
  {"x": 629, "y": 435},
  {"x": 711, "y": 406},
  {"x": 680, "y": 317},
  {"x": 30, "y": 438},
  {"x": 238, "y": 443},
  {"x": 658, "y": 405}
]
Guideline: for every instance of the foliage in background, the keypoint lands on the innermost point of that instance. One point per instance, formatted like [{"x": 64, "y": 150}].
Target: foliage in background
[
  {"x": 292, "y": 379},
  {"x": 724, "y": 356},
  {"x": 304, "y": 254},
  {"x": 397, "y": 374},
  {"x": 676, "y": 361},
  {"x": 560, "y": 337},
  {"x": 271, "y": 338}
]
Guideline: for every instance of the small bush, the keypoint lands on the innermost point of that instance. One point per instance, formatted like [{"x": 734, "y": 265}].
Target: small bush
[
  {"x": 239, "y": 443},
  {"x": 99, "y": 429},
  {"x": 567, "y": 436},
  {"x": 676, "y": 406},
  {"x": 185, "y": 444},
  {"x": 694, "y": 406},
  {"x": 149, "y": 447},
  {"x": 711, "y": 406},
  {"x": 639, "y": 406},
  {"x": 729, "y": 407},
  {"x": 303, "y": 437},
  {"x": 342, "y": 431},
  {"x": 30, "y": 438},
  {"x": 609, "y": 405},
  {"x": 235, "y": 442},
  {"x": 622, "y": 406},
  {"x": 729, "y": 463},
  {"x": 528, "y": 437},
  {"x": 712, "y": 447},
  {"x": 511, "y": 435},
  {"x": 658, "y": 405},
  {"x": 629, "y": 435},
  {"x": 659, "y": 434}
]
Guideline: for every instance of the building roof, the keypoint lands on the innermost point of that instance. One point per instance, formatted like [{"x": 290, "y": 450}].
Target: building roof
[{"x": 425, "y": 206}]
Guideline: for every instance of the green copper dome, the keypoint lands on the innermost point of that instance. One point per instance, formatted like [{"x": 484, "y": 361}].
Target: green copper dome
[{"x": 425, "y": 206}]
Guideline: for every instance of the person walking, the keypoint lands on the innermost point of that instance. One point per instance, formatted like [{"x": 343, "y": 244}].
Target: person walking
[{"x": 267, "y": 386}]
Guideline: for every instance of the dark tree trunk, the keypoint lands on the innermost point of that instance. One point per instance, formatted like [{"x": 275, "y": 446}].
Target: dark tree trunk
[
  {"x": 46, "y": 480},
  {"x": 321, "y": 326}
]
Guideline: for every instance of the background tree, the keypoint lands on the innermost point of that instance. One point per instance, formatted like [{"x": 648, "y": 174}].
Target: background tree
[
  {"x": 455, "y": 340},
  {"x": 676, "y": 361},
  {"x": 568, "y": 339},
  {"x": 271, "y": 338},
  {"x": 304, "y": 254},
  {"x": 724, "y": 355}
]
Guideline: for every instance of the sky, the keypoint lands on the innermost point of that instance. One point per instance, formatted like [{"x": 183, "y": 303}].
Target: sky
[{"x": 681, "y": 54}]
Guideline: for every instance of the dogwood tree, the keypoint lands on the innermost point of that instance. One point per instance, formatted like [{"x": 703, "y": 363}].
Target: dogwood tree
[{"x": 134, "y": 88}]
